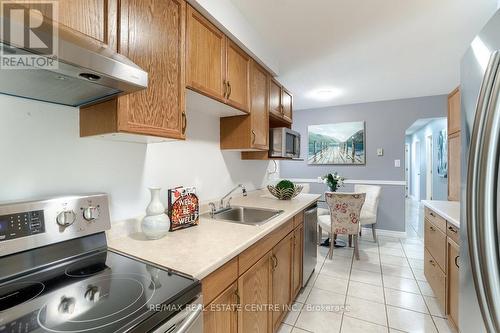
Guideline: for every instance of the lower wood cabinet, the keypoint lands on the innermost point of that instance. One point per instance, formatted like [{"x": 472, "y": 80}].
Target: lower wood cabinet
[
  {"x": 251, "y": 293},
  {"x": 441, "y": 262},
  {"x": 254, "y": 289},
  {"x": 453, "y": 281},
  {"x": 221, "y": 315},
  {"x": 298, "y": 246},
  {"x": 282, "y": 278}
]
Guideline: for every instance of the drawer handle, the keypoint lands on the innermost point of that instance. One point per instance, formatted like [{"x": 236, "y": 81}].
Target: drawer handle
[
  {"x": 432, "y": 262},
  {"x": 225, "y": 88},
  {"x": 254, "y": 136},
  {"x": 432, "y": 214},
  {"x": 432, "y": 228},
  {"x": 275, "y": 262},
  {"x": 184, "y": 123},
  {"x": 456, "y": 261},
  {"x": 229, "y": 91},
  {"x": 452, "y": 229}
]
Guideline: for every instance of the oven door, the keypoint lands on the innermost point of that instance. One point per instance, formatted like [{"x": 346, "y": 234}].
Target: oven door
[{"x": 189, "y": 320}]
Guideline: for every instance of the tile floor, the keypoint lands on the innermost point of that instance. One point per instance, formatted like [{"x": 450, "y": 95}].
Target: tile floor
[{"x": 385, "y": 291}]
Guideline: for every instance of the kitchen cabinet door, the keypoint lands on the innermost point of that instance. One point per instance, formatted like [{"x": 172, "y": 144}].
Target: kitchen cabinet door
[
  {"x": 254, "y": 289},
  {"x": 205, "y": 56},
  {"x": 287, "y": 105},
  {"x": 275, "y": 98},
  {"x": 94, "y": 18},
  {"x": 221, "y": 316},
  {"x": 454, "y": 158},
  {"x": 298, "y": 246},
  {"x": 453, "y": 283},
  {"x": 237, "y": 77},
  {"x": 152, "y": 36},
  {"x": 454, "y": 112},
  {"x": 259, "y": 110},
  {"x": 282, "y": 278}
]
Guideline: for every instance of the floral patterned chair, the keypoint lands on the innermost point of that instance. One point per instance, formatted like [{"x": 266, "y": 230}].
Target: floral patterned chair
[{"x": 344, "y": 218}]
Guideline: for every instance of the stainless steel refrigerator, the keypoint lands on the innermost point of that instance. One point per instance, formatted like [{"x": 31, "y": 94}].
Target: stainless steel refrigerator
[{"x": 479, "y": 309}]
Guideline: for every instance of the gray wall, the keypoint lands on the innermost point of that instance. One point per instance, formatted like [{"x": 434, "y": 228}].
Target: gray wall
[
  {"x": 439, "y": 184},
  {"x": 385, "y": 123}
]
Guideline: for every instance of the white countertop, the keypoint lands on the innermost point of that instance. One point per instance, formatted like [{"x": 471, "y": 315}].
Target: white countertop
[
  {"x": 449, "y": 210},
  {"x": 200, "y": 250}
]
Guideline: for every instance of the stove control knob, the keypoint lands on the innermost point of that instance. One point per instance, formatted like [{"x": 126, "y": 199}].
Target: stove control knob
[
  {"x": 92, "y": 294},
  {"x": 66, "y": 218},
  {"x": 91, "y": 213},
  {"x": 67, "y": 305}
]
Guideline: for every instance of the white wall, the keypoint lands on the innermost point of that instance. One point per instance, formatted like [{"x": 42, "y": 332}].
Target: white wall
[{"x": 41, "y": 154}]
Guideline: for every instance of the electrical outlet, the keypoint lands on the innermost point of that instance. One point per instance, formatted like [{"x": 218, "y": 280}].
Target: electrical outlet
[
  {"x": 380, "y": 152},
  {"x": 397, "y": 163}
]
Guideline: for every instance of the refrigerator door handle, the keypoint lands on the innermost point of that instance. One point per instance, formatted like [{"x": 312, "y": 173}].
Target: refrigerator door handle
[{"x": 482, "y": 181}]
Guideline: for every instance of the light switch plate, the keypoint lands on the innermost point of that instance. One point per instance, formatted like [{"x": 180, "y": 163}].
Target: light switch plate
[
  {"x": 397, "y": 163},
  {"x": 380, "y": 152}
]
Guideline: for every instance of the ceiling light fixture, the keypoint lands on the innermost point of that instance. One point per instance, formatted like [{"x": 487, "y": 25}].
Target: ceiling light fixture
[{"x": 325, "y": 94}]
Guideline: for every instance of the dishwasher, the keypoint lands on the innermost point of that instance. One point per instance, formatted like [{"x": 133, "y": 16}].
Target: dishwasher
[{"x": 310, "y": 253}]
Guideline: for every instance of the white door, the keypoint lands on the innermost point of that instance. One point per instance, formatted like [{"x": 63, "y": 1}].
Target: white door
[
  {"x": 428, "y": 167},
  {"x": 417, "y": 168}
]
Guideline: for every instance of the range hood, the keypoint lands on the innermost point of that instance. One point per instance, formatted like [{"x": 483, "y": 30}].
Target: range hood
[{"x": 86, "y": 72}]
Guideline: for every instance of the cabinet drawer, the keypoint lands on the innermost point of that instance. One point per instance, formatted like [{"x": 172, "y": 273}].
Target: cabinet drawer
[
  {"x": 435, "y": 243},
  {"x": 251, "y": 255},
  {"x": 215, "y": 283},
  {"x": 453, "y": 232},
  {"x": 436, "y": 278},
  {"x": 435, "y": 218}
]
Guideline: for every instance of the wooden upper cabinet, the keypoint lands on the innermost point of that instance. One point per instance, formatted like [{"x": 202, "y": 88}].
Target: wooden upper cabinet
[
  {"x": 94, "y": 18},
  {"x": 249, "y": 132},
  {"x": 454, "y": 160},
  {"x": 220, "y": 315},
  {"x": 205, "y": 56},
  {"x": 152, "y": 35},
  {"x": 237, "y": 76},
  {"x": 259, "y": 109},
  {"x": 254, "y": 289},
  {"x": 286, "y": 101},
  {"x": 282, "y": 278},
  {"x": 274, "y": 98},
  {"x": 454, "y": 112}
]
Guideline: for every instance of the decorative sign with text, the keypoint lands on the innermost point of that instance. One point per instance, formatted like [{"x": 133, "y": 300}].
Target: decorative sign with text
[{"x": 183, "y": 207}]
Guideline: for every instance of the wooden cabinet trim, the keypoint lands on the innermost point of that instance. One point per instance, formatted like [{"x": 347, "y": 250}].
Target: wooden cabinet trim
[
  {"x": 452, "y": 281},
  {"x": 216, "y": 282},
  {"x": 454, "y": 112},
  {"x": 454, "y": 167},
  {"x": 298, "y": 248},
  {"x": 282, "y": 278}
]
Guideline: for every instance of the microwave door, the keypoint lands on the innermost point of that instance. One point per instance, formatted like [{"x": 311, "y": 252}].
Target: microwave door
[{"x": 277, "y": 144}]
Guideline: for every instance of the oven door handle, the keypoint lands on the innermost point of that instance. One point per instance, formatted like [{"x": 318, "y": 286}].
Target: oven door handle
[{"x": 184, "y": 320}]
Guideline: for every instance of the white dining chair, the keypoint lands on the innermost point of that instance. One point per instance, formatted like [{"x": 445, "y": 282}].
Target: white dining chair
[
  {"x": 344, "y": 218},
  {"x": 370, "y": 207}
]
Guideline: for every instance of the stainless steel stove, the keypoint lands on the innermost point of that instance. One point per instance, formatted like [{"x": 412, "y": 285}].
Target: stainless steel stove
[{"x": 57, "y": 275}]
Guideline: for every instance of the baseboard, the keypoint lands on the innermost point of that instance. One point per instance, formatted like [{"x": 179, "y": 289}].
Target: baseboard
[{"x": 383, "y": 232}]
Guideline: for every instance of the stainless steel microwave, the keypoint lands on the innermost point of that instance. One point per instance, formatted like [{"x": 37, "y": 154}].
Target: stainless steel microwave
[{"x": 283, "y": 142}]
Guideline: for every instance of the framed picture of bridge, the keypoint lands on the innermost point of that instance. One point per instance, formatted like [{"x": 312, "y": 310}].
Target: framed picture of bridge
[{"x": 339, "y": 143}]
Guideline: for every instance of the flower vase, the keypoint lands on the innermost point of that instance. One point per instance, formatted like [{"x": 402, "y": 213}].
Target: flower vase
[{"x": 156, "y": 224}]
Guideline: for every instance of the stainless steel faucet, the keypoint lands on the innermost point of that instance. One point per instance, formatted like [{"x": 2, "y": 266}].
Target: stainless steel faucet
[{"x": 227, "y": 206}]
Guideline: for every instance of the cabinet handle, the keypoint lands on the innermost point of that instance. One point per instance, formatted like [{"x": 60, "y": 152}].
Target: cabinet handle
[
  {"x": 225, "y": 89},
  {"x": 432, "y": 228},
  {"x": 452, "y": 229},
  {"x": 432, "y": 263},
  {"x": 282, "y": 109},
  {"x": 254, "y": 136},
  {"x": 456, "y": 261},
  {"x": 184, "y": 123},
  {"x": 275, "y": 262},
  {"x": 432, "y": 214},
  {"x": 229, "y": 90}
]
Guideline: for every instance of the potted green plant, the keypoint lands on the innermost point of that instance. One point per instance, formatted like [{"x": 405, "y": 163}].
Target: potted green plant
[{"x": 333, "y": 181}]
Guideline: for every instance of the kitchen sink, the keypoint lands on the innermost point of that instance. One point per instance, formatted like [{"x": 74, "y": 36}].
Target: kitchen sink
[{"x": 245, "y": 215}]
